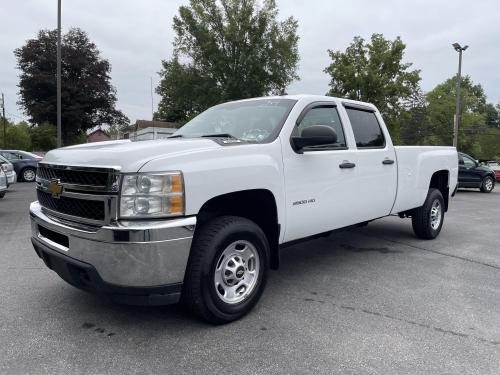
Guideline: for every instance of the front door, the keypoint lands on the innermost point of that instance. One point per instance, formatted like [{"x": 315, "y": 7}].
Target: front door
[
  {"x": 319, "y": 192},
  {"x": 467, "y": 174}
]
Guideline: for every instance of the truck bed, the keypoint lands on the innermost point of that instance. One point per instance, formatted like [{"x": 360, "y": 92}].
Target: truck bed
[{"x": 416, "y": 165}]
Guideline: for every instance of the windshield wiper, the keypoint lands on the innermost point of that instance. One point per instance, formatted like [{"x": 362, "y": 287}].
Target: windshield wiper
[
  {"x": 219, "y": 135},
  {"x": 176, "y": 136}
]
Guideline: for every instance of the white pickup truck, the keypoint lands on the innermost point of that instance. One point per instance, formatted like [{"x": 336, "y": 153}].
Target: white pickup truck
[{"x": 202, "y": 216}]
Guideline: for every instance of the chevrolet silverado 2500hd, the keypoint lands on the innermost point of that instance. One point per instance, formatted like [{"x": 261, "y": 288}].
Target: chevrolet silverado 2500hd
[{"x": 201, "y": 216}]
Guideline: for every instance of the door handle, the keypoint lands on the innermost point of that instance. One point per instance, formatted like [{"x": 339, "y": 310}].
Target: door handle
[
  {"x": 346, "y": 165},
  {"x": 387, "y": 161}
]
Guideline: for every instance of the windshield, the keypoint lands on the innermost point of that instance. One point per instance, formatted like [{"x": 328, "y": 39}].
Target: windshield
[
  {"x": 28, "y": 155},
  {"x": 250, "y": 120}
]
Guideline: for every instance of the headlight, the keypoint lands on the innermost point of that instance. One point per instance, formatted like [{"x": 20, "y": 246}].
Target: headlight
[{"x": 145, "y": 195}]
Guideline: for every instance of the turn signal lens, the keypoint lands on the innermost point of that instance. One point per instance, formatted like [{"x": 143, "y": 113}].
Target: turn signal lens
[
  {"x": 176, "y": 185},
  {"x": 176, "y": 204}
]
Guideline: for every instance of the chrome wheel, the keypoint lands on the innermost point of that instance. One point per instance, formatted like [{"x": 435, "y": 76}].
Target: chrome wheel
[
  {"x": 29, "y": 175},
  {"x": 488, "y": 184},
  {"x": 436, "y": 214},
  {"x": 236, "y": 272}
]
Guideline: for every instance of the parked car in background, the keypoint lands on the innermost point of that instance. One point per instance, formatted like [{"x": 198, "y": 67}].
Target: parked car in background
[
  {"x": 495, "y": 167},
  {"x": 8, "y": 169},
  {"x": 473, "y": 175},
  {"x": 25, "y": 163},
  {"x": 3, "y": 183}
]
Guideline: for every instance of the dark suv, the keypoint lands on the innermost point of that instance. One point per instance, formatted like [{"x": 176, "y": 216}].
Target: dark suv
[
  {"x": 472, "y": 175},
  {"x": 25, "y": 163}
]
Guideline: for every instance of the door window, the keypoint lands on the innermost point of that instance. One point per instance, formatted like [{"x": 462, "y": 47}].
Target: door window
[
  {"x": 10, "y": 156},
  {"x": 468, "y": 162},
  {"x": 366, "y": 129},
  {"x": 323, "y": 115}
]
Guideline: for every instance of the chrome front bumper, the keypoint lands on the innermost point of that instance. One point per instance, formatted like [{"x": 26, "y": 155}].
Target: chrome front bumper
[{"x": 137, "y": 254}]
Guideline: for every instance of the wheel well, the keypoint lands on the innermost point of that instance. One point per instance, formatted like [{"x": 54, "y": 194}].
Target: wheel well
[
  {"x": 257, "y": 205},
  {"x": 439, "y": 180}
]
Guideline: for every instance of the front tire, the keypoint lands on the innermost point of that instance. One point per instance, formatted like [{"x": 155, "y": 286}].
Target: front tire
[
  {"x": 227, "y": 269},
  {"x": 487, "y": 185},
  {"x": 28, "y": 174},
  {"x": 427, "y": 220}
]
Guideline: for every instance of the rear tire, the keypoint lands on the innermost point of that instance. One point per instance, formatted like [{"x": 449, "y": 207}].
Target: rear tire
[
  {"x": 227, "y": 269},
  {"x": 487, "y": 185},
  {"x": 28, "y": 174},
  {"x": 427, "y": 220},
  {"x": 2, "y": 194}
]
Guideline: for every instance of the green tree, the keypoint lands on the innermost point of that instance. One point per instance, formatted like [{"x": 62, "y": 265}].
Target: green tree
[
  {"x": 43, "y": 137},
  {"x": 490, "y": 145},
  {"x": 413, "y": 124},
  {"x": 374, "y": 72},
  {"x": 441, "y": 112},
  {"x": 492, "y": 116},
  {"x": 88, "y": 97},
  {"x": 234, "y": 49},
  {"x": 184, "y": 92},
  {"x": 17, "y": 135}
]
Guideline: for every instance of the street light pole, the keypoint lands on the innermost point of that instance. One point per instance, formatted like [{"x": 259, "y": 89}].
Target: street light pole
[
  {"x": 58, "y": 74},
  {"x": 459, "y": 49},
  {"x": 4, "y": 122}
]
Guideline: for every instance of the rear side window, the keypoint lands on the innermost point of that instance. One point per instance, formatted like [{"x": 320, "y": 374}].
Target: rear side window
[{"x": 366, "y": 129}]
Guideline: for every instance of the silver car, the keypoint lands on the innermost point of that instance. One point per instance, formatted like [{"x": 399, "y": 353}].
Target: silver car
[
  {"x": 3, "y": 183},
  {"x": 8, "y": 169}
]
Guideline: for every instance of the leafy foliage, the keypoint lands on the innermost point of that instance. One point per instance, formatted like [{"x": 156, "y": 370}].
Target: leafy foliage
[
  {"x": 492, "y": 115},
  {"x": 18, "y": 136},
  {"x": 184, "y": 91},
  {"x": 374, "y": 72},
  {"x": 413, "y": 125},
  {"x": 43, "y": 137},
  {"x": 88, "y": 98},
  {"x": 235, "y": 49},
  {"x": 441, "y": 111}
]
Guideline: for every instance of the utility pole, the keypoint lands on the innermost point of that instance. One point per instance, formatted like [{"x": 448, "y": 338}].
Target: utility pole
[
  {"x": 152, "y": 109},
  {"x": 4, "y": 122},
  {"x": 59, "y": 129},
  {"x": 456, "y": 126}
]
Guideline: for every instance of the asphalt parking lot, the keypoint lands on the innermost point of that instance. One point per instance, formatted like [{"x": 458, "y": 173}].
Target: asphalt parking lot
[{"x": 371, "y": 300}]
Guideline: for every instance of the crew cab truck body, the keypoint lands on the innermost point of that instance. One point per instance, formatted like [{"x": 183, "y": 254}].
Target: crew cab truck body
[{"x": 203, "y": 215}]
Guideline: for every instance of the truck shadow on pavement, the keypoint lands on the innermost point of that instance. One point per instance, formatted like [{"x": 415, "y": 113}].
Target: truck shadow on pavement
[{"x": 104, "y": 317}]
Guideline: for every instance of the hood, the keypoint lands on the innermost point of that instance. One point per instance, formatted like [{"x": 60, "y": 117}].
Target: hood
[
  {"x": 484, "y": 169},
  {"x": 125, "y": 155}
]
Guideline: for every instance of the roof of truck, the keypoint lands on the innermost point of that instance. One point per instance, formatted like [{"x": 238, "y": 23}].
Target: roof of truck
[{"x": 314, "y": 98}]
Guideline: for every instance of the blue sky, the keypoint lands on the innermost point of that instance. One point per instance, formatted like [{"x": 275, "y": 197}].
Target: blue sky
[{"x": 136, "y": 35}]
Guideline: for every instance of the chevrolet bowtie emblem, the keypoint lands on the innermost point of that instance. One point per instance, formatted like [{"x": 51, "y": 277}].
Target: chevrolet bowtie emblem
[{"x": 55, "y": 188}]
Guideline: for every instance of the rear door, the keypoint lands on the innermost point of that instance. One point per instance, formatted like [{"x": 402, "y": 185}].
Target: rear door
[{"x": 376, "y": 168}]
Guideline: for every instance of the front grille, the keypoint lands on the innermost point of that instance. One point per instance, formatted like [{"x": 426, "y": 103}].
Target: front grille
[
  {"x": 88, "y": 209},
  {"x": 75, "y": 177}
]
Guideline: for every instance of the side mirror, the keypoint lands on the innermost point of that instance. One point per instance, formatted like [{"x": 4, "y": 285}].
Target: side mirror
[
  {"x": 461, "y": 162},
  {"x": 315, "y": 135}
]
